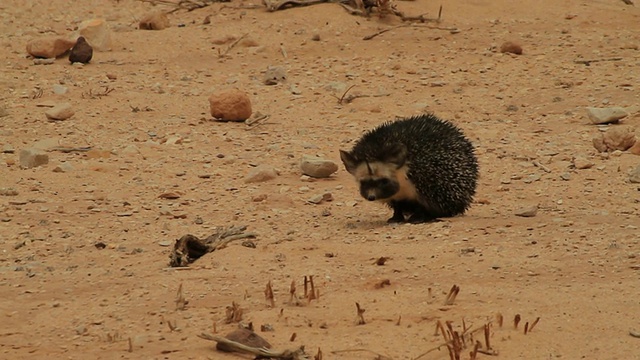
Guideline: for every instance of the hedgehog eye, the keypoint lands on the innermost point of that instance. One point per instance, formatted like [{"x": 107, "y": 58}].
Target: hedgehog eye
[{"x": 383, "y": 181}]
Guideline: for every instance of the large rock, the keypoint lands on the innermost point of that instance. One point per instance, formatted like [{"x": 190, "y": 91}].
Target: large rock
[
  {"x": 60, "y": 112},
  {"x": 30, "y": 158},
  {"x": 615, "y": 138},
  {"x": 230, "y": 105},
  {"x": 97, "y": 34},
  {"x": 49, "y": 47},
  {"x": 606, "y": 115},
  {"x": 154, "y": 21},
  {"x": 317, "y": 167}
]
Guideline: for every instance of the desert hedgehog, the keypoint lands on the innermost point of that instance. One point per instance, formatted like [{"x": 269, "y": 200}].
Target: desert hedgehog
[{"x": 420, "y": 166}]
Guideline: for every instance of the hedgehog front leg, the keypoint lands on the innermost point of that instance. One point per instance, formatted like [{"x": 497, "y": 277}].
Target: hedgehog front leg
[
  {"x": 398, "y": 213},
  {"x": 421, "y": 215}
]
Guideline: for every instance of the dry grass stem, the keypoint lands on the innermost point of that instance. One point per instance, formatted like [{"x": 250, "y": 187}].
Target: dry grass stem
[
  {"x": 181, "y": 303},
  {"x": 268, "y": 294},
  {"x": 360, "y": 315},
  {"x": 233, "y": 313}
]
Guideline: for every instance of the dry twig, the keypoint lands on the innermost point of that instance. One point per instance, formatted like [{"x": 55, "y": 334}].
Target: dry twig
[
  {"x": 233, "y": 44},
  {"x": 189, "y": 248}
]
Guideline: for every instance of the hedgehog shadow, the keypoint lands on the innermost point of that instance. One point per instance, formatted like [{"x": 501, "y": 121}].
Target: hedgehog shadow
[{"x": 382, "y": 223}]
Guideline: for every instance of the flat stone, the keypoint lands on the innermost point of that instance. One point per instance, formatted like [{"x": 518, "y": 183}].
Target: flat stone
[
  {"x": 606, "y": 115},
  {"x": 59, "y": 89},
  {"x": 261, "y": 173},
  {"x": 317, "y": 167},
  {"x": 63, "y": 168},
  {"x": 49, "y": 47},
  {"x": 30, "y": 158},
  {"x": 529, "y": 211},
  {"x": 60, "y": 112},
  {"x": 582, "y": 163}
]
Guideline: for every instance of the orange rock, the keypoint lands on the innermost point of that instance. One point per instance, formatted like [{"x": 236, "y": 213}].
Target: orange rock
[
  {"x": 49, "y": 47},
  {"x": 230, "y": 105},
  {"x": 511, "y": 47}
]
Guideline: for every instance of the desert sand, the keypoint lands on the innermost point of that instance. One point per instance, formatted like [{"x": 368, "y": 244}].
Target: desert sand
[{"x": 85, "y": 238}]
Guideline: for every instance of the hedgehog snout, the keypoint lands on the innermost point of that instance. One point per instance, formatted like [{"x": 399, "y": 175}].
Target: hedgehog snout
[{"x": 369, "y": 194}]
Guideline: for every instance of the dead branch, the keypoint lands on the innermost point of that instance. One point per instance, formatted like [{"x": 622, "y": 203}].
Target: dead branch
[
  {"x": 189, "y": 248},
  {"x": 588, "y": 62},
  {"x": 295, "y": 354},
  {"x": 634, "y": 333},
  {"x": 452, "y": 30},
  {"x": 284, "y": 4}
]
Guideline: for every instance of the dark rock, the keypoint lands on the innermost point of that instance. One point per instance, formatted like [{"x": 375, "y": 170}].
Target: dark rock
[{"x": 81, "y": 51}]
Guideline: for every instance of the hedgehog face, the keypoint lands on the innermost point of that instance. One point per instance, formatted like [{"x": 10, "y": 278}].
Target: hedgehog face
[
  {"x": 373, "y": 186},
  {"x": 378, "y": 180}
]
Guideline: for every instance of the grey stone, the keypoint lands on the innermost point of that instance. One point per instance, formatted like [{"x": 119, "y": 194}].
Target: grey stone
[
  {"x": 529, "y": 211},
  {"x": 30, "y": 158},
  {"x": 317, "y": 167},
  {"x": 61, "y": 111},
  {"x": 606, "y": 115},
  {"x": 63, "y": 168},
  {"x": 59, "y": 89}
]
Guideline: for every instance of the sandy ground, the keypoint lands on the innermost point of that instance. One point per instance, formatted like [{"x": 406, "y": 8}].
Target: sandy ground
[{"x": 575, "y": 264}]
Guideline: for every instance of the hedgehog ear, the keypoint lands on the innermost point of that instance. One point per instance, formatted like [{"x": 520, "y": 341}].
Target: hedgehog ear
[
  {"x": 396, "y": 154},
  {"x": 350, "y": 162}
]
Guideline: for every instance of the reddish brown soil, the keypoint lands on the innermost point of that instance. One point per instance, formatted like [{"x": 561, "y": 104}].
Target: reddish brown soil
[{"x": 574, "y": 265}]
